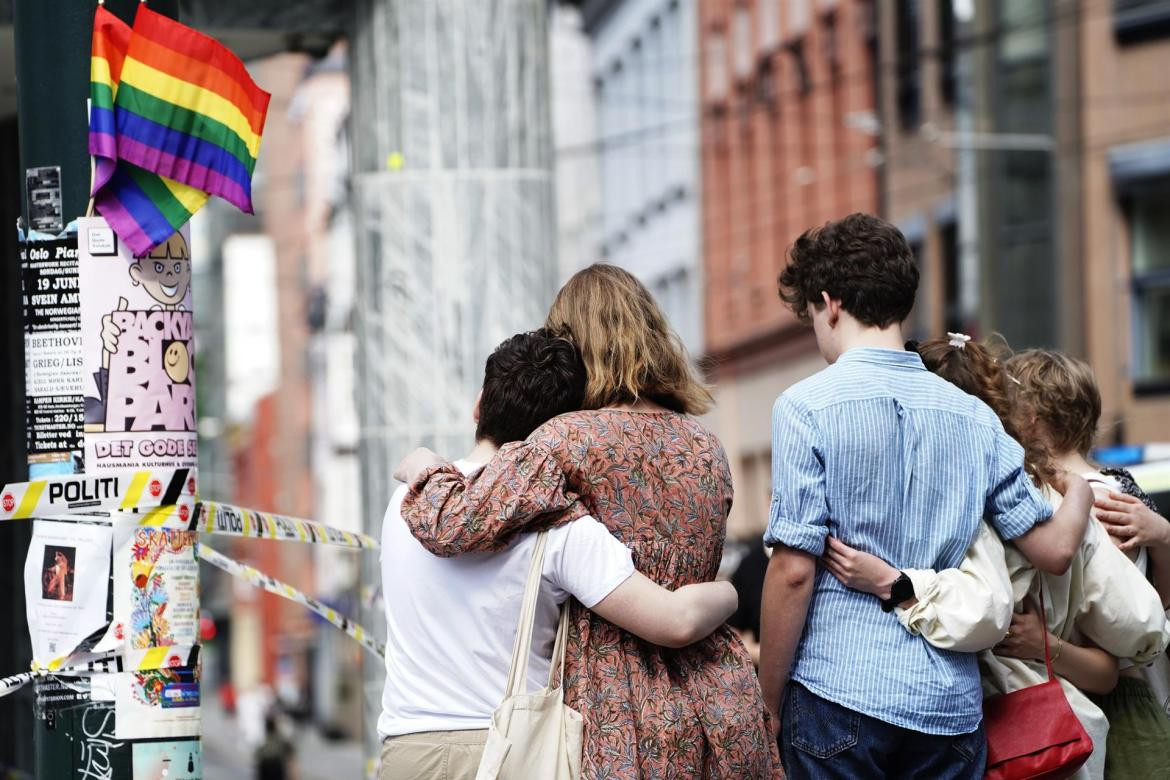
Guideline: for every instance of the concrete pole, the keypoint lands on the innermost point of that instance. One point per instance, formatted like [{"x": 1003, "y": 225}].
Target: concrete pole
[
  {"x": 52, "y": 70},
  {"x": 454, "y": 222}
]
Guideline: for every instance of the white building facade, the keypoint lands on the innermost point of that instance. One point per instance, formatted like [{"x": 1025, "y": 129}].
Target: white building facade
[{"x": 644, "y": 58}]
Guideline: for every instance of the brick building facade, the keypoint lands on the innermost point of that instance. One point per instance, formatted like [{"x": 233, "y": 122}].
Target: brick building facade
[{"x": 788, "y": 102}]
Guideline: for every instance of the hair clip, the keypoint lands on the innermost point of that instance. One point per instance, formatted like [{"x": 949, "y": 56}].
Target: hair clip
[
  {"x": 1018, "y": 382},
  {"x": 958, "y": 339}
]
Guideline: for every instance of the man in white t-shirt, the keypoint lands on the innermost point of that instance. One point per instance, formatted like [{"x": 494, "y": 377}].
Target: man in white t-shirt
[{"x": 451, "y": 622}]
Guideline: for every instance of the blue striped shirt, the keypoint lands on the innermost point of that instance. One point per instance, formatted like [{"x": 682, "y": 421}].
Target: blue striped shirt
[{"x": 898, "y": 462}]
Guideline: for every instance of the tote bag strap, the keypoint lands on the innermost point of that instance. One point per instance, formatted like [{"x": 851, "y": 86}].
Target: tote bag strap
[
  {"x": 522, "y": 648},
  {"x": 556, "y": 670}
]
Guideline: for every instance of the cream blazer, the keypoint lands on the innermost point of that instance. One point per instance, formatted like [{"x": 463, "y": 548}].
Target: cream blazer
[{"x": 1102, "y": 598}]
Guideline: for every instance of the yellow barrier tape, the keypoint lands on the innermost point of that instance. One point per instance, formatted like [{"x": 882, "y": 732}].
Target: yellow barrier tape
[
  {"x": 228, "y": 520},
  {"x": 273, "y": 585}
]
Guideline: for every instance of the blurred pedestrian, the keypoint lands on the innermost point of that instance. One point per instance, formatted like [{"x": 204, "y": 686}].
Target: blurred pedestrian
[
  {"x": 274, "y": 757},
  {"x": 748, "y": 579}
]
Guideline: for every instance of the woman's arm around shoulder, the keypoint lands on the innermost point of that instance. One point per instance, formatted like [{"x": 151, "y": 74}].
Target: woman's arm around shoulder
[{"x": 521, "y": 487}]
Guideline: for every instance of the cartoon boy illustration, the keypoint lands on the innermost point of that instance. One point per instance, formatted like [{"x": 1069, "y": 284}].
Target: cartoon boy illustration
[{"x": 165, "y": 274}]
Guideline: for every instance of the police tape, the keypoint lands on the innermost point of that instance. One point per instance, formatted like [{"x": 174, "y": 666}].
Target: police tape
[
  {"x": 107, "y": 491},
  {"x": 133, "y": 660},
  {"x": 163, "y": 498},
  {"x": 227, "y": 520},
  {"x": 273, "y": 585},
  {"x": 85, "y": 664}
]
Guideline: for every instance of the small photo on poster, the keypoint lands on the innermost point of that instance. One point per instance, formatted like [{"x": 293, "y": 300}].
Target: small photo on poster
[{"x": 57, "y": 575}]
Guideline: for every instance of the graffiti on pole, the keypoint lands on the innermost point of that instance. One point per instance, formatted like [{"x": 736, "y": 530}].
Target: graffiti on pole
[{"x": 139, "y": 352}]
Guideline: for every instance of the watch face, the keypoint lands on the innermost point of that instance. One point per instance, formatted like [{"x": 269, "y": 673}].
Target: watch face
[{"x": 903, "y": 589}]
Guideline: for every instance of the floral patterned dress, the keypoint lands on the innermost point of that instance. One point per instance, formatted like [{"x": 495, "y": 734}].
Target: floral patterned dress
[{"x": 661, "y": 483}]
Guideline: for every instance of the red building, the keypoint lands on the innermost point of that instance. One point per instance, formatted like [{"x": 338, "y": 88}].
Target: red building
[{"x": 789, "y": 140}]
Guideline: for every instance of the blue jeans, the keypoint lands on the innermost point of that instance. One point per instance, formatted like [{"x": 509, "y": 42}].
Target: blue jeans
[{"x": 821, "y": 740}]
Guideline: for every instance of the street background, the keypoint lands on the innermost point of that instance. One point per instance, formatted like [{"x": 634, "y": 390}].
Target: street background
[{"x": 432, "y": 170}]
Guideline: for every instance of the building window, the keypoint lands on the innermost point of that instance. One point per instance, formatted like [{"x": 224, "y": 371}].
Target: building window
[
  {"x": 742, "y": 52},
  {"x": 946, "y": 44},
  {"x": 798, "y": 13},
  {"x": 1139, "y": 20},
  {"x": 952, "y": 278},
  {"x": 1149, "y": 222},
  {"x": 766, "y": 92},
  {"x": 829, "y": 44},
  {"x": 768, "y": 12},
  {"x": 803, "y": 79},
  {"x": 717, "y": 85},
  {"x": 907, "y": 64}
]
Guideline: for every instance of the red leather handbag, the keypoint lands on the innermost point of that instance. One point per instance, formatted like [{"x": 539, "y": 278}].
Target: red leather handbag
[{"x": 1033, "y": 733}]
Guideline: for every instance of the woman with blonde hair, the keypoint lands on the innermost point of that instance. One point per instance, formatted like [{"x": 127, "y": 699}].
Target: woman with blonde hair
[{"x": 637, "y": 460}]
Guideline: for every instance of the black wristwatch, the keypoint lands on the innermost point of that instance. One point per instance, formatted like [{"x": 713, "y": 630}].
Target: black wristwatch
[{"x": 901, "y": 590}]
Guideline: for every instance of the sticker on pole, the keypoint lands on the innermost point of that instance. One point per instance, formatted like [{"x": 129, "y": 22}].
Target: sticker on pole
[{"x": 45, "y": 212}]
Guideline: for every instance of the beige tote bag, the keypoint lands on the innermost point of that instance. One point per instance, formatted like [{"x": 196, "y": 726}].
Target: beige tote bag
[{"x": 534, "y": 736}]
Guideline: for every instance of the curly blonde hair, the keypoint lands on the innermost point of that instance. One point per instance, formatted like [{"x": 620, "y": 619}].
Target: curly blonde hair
[
  {"x": 629, "y": 350},
  {"x": 1061, "y": 392},
  {"x": 979, "y": 370}
]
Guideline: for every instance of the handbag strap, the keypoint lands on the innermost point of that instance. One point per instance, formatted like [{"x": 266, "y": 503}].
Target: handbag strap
[
  {"x": 522, "y": 648},
  {"x": 1044, "y": 627}
]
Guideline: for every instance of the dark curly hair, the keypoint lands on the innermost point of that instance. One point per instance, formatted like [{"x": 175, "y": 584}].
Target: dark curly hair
[
  {"x": 860, "y": 260},
  {"x": 528, "y": 380}
]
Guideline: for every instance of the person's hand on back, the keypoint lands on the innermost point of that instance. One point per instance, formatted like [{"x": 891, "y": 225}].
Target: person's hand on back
[
  {"x": 414, "y": 464},
  {"x": 1131, "y": 522}
]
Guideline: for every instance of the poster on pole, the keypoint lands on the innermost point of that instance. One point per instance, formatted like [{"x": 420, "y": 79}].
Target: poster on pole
[
  {"x": 138, "y": 351},
  {"x": 176, "y": 760},
  {"x": 65, "y": 581},
  {"x": 156, "y": 588},
  {"x": 52, "y": 354},
  {"x": 156, "y": 604}
]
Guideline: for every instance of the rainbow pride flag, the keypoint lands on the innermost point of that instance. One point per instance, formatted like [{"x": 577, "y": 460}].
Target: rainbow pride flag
[
  {"x": 187, "y": 109},
  {"x": 143, "y": 208}
]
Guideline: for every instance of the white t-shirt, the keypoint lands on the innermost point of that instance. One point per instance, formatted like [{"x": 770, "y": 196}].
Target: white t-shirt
[{"x": 451, "y": 622}]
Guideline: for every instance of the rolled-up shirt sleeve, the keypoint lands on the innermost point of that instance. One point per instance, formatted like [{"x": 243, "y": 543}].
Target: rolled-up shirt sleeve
[
  {"x": 1014, "y": 506},
  {"x": 799, "y": 513}
]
